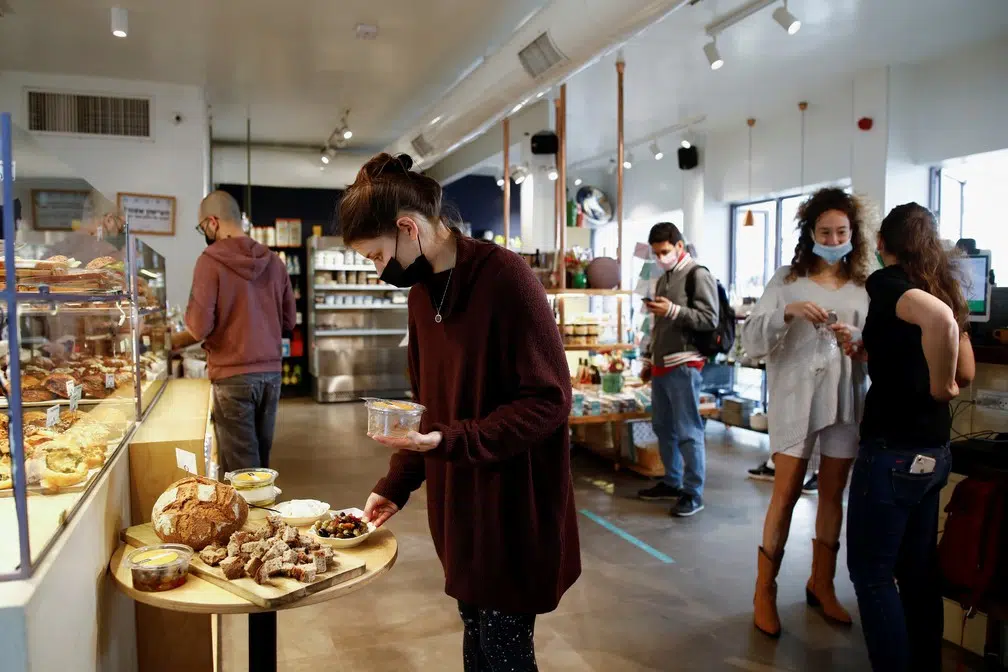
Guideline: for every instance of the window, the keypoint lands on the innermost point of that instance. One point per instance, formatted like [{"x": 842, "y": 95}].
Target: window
[
  {"x": 754, "y": 248},
  {"x": 789, "y": 233},
  {"x": 947, "y": 203}
]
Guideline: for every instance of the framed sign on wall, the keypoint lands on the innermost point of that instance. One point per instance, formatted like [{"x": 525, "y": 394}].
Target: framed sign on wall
[
  {"x": 148, "y": 213},
  {"x": 57, "y": 209}
]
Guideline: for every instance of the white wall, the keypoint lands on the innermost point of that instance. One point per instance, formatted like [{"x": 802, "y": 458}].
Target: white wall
[
  {"x": 285, "y": 168},
  {"x": 923, "y": 114},
  {"x": 171, "y": 163}
]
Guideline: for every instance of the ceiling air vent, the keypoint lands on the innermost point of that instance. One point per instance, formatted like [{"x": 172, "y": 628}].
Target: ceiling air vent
[
  {"x": 539, "y": 56},
  {"x": 51, "y": 112},
  {"x": 421, "y": 146}
]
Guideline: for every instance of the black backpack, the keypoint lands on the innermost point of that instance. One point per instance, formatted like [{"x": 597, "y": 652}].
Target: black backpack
[{"x": 721, "y": 340}]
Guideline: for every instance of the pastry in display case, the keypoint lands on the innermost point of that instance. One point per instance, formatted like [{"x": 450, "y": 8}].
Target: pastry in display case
[{"x": 83, "y": 357}]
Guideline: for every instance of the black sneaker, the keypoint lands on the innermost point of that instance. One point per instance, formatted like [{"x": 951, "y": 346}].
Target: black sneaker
[
  {"x": 687, "y": 507},
  {"x": 661, "y": 491},
  {"x": 811, "y": 486},
  {"x": 763, "y": 472}
]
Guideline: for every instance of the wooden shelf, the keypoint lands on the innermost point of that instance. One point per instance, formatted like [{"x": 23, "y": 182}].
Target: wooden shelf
[
  {"x": 608, "y": 417},
  {"x": 600, "y": 347},
  {"x": 575, "y": 293}
]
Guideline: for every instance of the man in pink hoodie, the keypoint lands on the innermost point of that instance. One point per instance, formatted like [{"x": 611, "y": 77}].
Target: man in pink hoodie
[{"x": 240, "y": 304}]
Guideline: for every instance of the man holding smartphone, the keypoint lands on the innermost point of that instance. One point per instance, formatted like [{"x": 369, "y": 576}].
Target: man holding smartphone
[{"x": 685, "y": 302}]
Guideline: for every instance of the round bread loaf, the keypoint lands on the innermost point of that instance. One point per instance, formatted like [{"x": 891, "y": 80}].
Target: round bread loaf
[{"x": 197, "y": 512}]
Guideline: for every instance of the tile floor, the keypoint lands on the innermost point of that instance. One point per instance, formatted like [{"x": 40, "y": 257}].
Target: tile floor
[{"x": 629, "y": 612}]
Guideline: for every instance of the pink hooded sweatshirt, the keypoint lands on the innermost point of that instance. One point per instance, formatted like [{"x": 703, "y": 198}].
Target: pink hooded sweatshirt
[{"x": 240, "y": 304}]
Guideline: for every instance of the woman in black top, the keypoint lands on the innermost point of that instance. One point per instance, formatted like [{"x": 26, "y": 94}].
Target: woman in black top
[{"x": 918, "y": 357}]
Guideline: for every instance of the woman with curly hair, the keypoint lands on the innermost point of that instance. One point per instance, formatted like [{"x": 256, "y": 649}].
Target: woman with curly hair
[
  {"x": 822, "y": 289},
  {"x": 918, "y": 356}
]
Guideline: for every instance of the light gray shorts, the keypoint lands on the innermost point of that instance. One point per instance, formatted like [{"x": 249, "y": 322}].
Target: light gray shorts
[{"x": 837, "y": 441}]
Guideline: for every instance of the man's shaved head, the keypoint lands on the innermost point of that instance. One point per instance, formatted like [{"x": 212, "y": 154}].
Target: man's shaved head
[{"x": 221, "y": 205}]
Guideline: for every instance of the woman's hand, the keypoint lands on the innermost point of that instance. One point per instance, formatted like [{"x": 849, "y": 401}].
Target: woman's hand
[
  {"x": 379, "y": 509},
  {"x": 420, "y": 443},
  {"x": 855, "y": 350},
  {"x": 806, "y": 310},
  {"x": 844, "y": 332}
]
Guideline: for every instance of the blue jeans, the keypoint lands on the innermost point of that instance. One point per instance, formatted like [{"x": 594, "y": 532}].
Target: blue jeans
[
  {"x": 892, "y": 553},
  {"x": 244, "y": 415},
  {"x": 675, "y": 416}
]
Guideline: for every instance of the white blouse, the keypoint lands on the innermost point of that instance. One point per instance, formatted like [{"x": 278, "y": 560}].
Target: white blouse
[{"x": 803, "y": 401}]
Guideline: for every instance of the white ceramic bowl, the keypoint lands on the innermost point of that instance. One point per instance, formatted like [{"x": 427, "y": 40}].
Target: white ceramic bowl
[
  {"x": 345, "y": 543},
  {"x": 307, "y": 511}
]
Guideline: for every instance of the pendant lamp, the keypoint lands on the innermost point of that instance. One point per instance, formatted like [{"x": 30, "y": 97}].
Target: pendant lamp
[{"x": 749, "y": 220}]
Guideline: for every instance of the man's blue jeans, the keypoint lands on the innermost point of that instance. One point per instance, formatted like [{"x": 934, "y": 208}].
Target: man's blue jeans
[
  {"x": 675, "y": 416},
  {"x": 244, "y": 415},
  {"x": 892, "y": 554}
]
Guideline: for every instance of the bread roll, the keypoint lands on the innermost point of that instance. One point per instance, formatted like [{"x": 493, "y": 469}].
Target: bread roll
[{"x": 197, "y": 512}]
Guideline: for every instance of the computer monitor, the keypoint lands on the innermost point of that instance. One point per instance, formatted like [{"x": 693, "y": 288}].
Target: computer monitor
[{"x": 974, "y": 271}]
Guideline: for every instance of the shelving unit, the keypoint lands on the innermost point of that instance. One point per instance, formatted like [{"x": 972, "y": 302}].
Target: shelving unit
[{"x": 354, "y": 347}]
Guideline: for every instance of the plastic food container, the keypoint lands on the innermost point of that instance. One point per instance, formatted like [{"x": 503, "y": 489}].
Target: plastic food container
[
  {"x": 159, "y": 567},
  {"x": 255, "y": 485},
  {"x": 393, "y": 419}
]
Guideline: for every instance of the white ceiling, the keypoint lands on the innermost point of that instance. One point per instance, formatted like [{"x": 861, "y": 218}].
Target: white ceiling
[
  {"x": 295, "y": 66},
  {"x": 668, "y": 79}
]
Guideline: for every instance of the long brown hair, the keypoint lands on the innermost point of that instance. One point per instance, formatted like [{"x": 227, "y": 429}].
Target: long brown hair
[
  {"x": 854, "y": 266},
  {"x": 910, "y": 233},
  {"x": 384, "y": 189}
]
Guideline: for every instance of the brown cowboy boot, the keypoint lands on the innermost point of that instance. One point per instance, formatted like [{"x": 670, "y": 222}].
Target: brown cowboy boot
[
  {"x": 765, "y": 616},
  {"x": 819, "y": 590}
]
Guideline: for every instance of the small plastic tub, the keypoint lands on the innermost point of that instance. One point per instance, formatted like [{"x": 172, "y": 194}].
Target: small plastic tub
[
  {"x": 393, "y": 419},
  {"x": 255, "y": 485},
  {"x": 159, "y": 567}
]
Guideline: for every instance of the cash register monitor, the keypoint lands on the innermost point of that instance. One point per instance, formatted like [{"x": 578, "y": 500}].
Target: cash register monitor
[{"x": 974, "y": 270}]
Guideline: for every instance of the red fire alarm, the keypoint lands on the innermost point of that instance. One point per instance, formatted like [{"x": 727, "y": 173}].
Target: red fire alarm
[{"x": 865, "y": 123}]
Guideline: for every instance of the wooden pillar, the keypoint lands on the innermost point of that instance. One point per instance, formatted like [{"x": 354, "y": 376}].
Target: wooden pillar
[
  {"x": 506, "y": 124},
  {"x": 561, "y": 160},
  {"x": 558, "y": 225},
  {"x": 620, "y": 67}
]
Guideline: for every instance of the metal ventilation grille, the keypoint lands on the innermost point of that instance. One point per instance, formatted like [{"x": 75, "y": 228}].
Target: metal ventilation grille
[
  {"x": 539, "y": 56},
  {"x": 421, "y": 146},
  {"x": 50, "y": 112}
]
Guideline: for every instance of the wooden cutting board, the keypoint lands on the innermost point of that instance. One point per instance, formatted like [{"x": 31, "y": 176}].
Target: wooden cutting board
[{"x": 280, "y": 590}]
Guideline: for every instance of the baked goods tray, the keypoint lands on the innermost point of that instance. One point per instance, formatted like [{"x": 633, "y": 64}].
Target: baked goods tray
[
  {"x": 278, "y": 592},
  {"x": 80, "y": 487}
]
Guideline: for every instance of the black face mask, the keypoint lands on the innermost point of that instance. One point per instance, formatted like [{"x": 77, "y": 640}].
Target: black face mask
[{"x": 418, "y": 271}]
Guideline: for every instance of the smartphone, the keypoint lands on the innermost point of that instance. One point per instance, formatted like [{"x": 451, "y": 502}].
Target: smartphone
[
  {"x": 647, "y": 299},
  {"x": 922, "y": 464}
]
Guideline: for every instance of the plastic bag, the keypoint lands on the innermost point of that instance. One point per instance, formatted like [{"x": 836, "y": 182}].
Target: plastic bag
[{"x": 826, "y": 347}]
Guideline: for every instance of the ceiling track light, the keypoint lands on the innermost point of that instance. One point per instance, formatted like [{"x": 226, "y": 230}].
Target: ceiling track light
[
  {"x": 685, "y": 144},
  {"x": 577, "y": 182},
  {"x": 656, "y": 151},
  {"x": 500, "y": 181},
  {"x": 120, "y": 21},
  {"x": 713, "y": 55},
  {"x": 786, "y": 20}
]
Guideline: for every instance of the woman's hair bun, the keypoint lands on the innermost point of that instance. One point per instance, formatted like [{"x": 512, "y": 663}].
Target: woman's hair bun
[{"x": 406, "y": 160}]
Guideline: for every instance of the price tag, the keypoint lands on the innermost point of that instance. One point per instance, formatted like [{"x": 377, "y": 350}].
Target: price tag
[
  {"x": 124, "y": 345},
  {"x": 110, "y": 381},
  {"x": 52, "y": 416},
  {"x": 185, "y": 460},
  {"x": 75, "y": 397},
  {"x": 70, "y": 387}
]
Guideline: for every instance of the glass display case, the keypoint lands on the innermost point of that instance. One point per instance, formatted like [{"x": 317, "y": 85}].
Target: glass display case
[{"x": 84, "y": 347}]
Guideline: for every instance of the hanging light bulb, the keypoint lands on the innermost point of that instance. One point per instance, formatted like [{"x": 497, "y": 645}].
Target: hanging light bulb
[
  {"x": 552, "y": 173},
  {"x": 628, "y": 161},
  {"x": 656, "y": 151},
  {"x": 120, "y": 21},
  {"x": 685, "y": 144},
  {"x": 749, "y": 219},
  {"x": 577, "y": 182}
]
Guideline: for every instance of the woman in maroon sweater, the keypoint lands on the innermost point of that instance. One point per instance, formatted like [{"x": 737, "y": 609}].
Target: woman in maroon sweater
[{"x": 486, "y": 359}]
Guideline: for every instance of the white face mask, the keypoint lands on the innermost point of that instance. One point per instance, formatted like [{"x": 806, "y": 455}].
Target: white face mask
[{"x": 667, "y": 262}]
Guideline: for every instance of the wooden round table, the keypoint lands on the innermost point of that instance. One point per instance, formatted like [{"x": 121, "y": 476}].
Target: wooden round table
[{"x": 197, "y": 596}]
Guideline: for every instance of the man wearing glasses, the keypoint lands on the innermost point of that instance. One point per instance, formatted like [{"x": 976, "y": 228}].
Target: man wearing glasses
[{"x": 240, "y": 304}]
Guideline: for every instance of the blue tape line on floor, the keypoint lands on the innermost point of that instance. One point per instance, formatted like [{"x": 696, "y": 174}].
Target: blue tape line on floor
[{"x": 626, "y": 536}]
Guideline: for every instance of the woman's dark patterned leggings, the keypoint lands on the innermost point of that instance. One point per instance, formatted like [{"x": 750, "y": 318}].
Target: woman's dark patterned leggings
[{"x": 495, "y": 641}]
